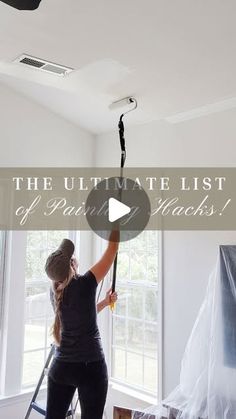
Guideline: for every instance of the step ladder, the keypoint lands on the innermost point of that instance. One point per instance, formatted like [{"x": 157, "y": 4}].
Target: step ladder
[{"x": 34, "y": 405}]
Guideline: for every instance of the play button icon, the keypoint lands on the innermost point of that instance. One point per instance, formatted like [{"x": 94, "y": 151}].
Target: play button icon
[
  {"x": 117, "y": 202},
  {"x": 117, "y": 210}
]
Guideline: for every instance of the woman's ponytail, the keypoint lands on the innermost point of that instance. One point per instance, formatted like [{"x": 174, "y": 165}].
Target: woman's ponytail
[{"x": 58, "y": 288}]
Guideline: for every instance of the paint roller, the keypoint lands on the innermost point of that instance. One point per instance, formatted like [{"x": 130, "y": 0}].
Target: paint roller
[{"x": 122, "y": 103}]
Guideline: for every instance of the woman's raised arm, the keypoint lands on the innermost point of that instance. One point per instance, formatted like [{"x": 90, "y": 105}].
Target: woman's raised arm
[{"x": 101, "y": 268}]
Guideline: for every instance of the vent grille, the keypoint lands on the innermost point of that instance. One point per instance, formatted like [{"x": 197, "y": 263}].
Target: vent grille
[
  {"x": 43, "y": 65},
  {"x": 33, "y": 63}
]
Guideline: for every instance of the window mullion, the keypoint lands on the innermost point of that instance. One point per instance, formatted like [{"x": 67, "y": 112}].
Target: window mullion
[{"x": 13, "y": 341}]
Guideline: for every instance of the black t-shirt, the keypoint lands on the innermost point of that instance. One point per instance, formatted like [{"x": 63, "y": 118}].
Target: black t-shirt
[{"x": 80, "y": 337}]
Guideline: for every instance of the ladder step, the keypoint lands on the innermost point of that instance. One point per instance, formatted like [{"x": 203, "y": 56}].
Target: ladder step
[
  {"x": 42, "y": 411},
  {"x": 38, "y": 408}
]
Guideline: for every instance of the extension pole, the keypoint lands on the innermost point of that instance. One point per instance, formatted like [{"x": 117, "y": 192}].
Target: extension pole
[{"x": 122, "y": 164}]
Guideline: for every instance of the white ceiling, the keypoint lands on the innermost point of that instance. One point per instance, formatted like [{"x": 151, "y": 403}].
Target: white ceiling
[{"x": 173, "y": 56}]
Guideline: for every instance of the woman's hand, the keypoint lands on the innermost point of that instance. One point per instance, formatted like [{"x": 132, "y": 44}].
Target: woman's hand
[{"x": 111, "y": 297}]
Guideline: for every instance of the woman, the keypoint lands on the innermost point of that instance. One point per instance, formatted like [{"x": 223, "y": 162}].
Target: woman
[{"x": 79, "y": 361}]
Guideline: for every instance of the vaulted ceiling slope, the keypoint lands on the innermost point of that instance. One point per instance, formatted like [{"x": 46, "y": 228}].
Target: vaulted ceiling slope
[{"x": 173, "y": 56}]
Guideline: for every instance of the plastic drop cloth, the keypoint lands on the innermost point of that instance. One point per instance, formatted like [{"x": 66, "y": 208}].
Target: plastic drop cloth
[{"x": 207, "y": 387}]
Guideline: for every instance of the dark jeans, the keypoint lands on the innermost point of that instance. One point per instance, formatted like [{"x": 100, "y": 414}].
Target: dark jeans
[{"x": 89, "y": 378}]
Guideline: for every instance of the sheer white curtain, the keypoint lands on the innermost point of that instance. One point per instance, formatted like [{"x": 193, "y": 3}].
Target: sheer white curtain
[{"x": 208, "y": 374}]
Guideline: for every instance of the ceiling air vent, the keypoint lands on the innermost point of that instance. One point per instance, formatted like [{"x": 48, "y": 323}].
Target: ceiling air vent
[{"x": 43, "y": 65}]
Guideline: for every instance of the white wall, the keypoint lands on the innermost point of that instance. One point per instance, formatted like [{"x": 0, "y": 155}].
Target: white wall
[
  {"x": 32, "y": 136},
  {"x": 16, "y": 409},
  {"x": 188, "y": 257}
]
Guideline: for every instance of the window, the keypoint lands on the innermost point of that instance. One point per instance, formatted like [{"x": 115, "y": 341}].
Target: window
[
  {"x": 28, "y": 315},
  {"x": 38, "y": 311},
  {"x": 135, "y": 319}
]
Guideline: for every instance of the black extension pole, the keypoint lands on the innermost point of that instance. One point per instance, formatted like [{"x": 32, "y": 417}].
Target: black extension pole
[{"x": 122, "y": 163}]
